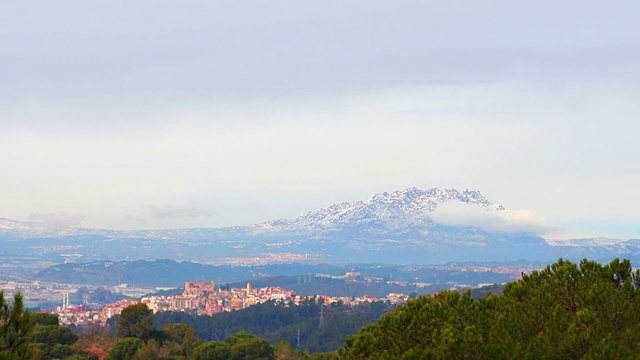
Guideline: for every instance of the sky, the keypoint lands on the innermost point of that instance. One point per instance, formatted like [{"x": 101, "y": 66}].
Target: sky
[{"x": 167, "y": 114}]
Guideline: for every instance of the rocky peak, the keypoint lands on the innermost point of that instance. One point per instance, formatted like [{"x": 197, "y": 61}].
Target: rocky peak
[{"x": 394, "y": 210}]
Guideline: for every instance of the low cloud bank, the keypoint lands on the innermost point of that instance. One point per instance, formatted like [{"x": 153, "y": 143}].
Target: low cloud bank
[{"x": 452, "y": 213}]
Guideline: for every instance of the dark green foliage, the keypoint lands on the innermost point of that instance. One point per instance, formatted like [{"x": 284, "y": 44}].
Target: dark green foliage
[
  {"x": 60, "y": 351},
  {"x": 82, "y": 356},
  {"x": 323, "y": 356},
  {"x": 183, "y": 336},
  {"x": 284, "y": 350},
  {"x": 53, "y": 334},
  {"x": 48, "y": 342},
  {"x": 565, "y": 311},
  {"x": 276, "y": 322},
  {"x": 340, "y": 321},
  {"x": 237, "y": 338},
  {"x": 486, "y": 290},
  {"x": 55, "y": 341},
  {"x": 44, "y": 319},
  {"x": 149, "y": 351},
  {"x": 15, "y": 328},
  {"x": 135, "y": 321},
  {"x": 38, "y": 351},
  {"x": 125, "y": 349},
  {"x": 212, "y": 350},
  {"x": 244, "y": 346}
]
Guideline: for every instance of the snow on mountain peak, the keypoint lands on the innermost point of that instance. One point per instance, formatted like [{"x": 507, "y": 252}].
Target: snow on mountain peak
[{"x": 396, "y": 210}]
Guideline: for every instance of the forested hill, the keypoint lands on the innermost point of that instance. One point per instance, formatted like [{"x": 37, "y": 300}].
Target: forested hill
[
  {"x": 276, "y": 322},
  {"x": 170, "y": 272},
  {"x": 305, "y": 279},
  {"x": 567, "y": 311}
]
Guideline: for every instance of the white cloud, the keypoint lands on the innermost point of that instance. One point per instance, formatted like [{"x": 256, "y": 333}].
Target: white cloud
[
  {"x": 453, "y": 213},
  {"x": 266, "y": 110}
]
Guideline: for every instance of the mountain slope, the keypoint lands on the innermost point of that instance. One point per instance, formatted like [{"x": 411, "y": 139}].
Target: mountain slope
[
  {"x": 389, "y": 228},
  {"x": 398, "y": 227},
  {"x": 397, "y": 211}
]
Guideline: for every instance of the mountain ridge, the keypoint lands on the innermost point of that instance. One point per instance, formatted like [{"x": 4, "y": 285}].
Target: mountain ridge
[
  {"x": 396, "y": 210},
  {"x": 392, "y": 227}
]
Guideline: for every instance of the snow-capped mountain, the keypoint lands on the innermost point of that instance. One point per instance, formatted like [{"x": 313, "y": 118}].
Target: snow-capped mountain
[
  {"x": 399, "y": 226},
  {"x": 395, "y": 227},
  {"x": 395, "y": 211}
]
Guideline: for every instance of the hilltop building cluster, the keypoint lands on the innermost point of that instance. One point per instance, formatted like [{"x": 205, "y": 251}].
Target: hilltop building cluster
[{"x": 203, "y": 298}]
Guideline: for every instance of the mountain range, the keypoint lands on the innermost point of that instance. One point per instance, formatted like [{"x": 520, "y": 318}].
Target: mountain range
[{"x": 397, "y": 227}]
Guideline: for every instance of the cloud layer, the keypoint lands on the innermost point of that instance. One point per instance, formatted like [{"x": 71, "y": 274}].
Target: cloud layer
[
  {"x": 453, "y": 213},
  {"x": 266, "y": 110}
]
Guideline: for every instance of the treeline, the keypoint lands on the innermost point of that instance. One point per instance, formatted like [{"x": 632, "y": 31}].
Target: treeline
[
  {"x": 26, "y": 336},
  {"x": 276, "y": 321},
  {"x": 274, "y": 329},
  {"x": 566, "y": 311}
]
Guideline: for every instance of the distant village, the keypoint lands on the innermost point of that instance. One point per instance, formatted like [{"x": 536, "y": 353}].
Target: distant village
[{"x": 202, "y": 298}]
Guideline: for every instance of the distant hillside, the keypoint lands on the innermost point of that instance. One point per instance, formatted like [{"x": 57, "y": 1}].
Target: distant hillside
[
  {"x": 305, "y": 279},
  {"x": 169, "y": 272},
  {"x": 392, "y": 228},
  {"x": 284, "y": 323}
]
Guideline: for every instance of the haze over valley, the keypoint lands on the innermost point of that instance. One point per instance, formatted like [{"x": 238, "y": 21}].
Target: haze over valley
[
  {"x": 237, "y": 134},
  {"x": 297, "y": 170},
  {"x": 410, "y": 226}
]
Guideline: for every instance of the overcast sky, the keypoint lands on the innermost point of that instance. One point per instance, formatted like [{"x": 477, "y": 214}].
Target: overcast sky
[{"x": 162, "y": 114}]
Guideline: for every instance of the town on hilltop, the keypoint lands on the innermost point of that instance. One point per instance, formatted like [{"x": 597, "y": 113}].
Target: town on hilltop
[{"x": 203, "y": 298}]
